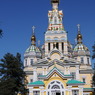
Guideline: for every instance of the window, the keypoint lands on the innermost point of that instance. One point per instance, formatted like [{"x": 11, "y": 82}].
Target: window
[
  {"x": 88, "y": 60},
  {"x": 62, "y": 46},
  {"x": 31, "y": 61},
  {"x": 53, "y": 45},
  {"x": 48, "y": 93},
  {"x": 75, "y": 92},
  {"x": 83, "y": 80},
  {"x": 82, "y": 60},
  {"x": 74, "y": 75},
  {"x": 26, "y": 62},
  {"x": 57, "y": 45},
  {"x": 55, "y": 20},
  {"x": 55, "y": 87},
  {"x": 31, "y": 80},
  {"x": 36, "y": 92},
  {"x": 49, "y": 46}
]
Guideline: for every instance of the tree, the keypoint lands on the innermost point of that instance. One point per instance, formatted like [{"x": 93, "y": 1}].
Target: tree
[
  {"x": 1, "y": 33},
  {"x": 12, "y": 75},
  {"x": 93, "y": 57}
]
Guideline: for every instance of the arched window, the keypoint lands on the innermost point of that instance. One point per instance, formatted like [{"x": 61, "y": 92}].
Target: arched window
[
  {"x": 82, "y": 60},
  {"x": 54, "y": 45},
  {"x": 55, "y": 87},
  {"x": 49, "y": 46},
  {"x": 62, "y": 46},
  {"x": 55, "y": 20},
  {"x": 88, "y": 60},
  {"x": 25, "y": 62},
  {"x": 31, "y": 61},
  {"x": 57, "y": 45}
]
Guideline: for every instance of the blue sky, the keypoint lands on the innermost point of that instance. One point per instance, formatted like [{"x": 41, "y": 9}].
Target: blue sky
[{"x": 18, "y": 16}]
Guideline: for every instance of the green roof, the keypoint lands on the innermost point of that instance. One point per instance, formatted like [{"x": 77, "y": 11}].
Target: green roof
[
  {"x": 36, "y": 83},
  {"x": 87, "y": 88},
  {"x": 59, "y": 71},
  {"x": 45, "y": 76},
  {"x": 41, "y": 75},
  {"x": 74, "y": 82}
]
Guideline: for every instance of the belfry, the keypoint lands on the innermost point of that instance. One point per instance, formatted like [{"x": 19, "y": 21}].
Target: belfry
[{"x": 58, "y": 68}]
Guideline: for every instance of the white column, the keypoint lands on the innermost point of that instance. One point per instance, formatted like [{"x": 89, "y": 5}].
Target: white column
[
  {"x": 51, "y": 46},
  {"x": 80, "y": 90},
  {"x": 65, "y": 48},
  {"x": 46, "y": 48},
  {"x": 28, "y": 61},
  {"x": 34, "y": 74},
  {"x": 77, "y": 72},
  {"x": 60, "y": 47}
]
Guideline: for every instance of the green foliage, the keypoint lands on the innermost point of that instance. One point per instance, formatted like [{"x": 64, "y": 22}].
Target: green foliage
[{"x": 12, "y": 75}]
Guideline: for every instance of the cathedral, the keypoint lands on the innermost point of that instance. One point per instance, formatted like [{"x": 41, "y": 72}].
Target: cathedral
[{"x": 58, "y": 68}]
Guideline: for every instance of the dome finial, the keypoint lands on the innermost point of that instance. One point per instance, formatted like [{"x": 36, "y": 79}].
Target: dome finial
[
  {"x": 33, "y": 38},
  {"x": 79, "y": 36}
]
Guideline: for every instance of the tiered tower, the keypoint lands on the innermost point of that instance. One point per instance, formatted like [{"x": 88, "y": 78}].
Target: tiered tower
[{"x": 55, "y": 36}]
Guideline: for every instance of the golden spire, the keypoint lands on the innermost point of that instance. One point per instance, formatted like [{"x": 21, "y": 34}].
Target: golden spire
[
  {"x": 33, "y": 38},
  {"x": 79, "y": 36}
]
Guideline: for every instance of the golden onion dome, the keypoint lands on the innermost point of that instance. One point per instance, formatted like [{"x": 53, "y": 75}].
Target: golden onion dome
[
  {"x": 33, "y": 38},
  {"x": 79, "y": 36}
]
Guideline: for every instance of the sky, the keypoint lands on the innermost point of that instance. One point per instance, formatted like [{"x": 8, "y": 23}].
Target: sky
[{"x": 18, "y": 16}]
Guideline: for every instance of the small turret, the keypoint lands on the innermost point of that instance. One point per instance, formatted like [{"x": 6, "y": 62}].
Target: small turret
[{"x": 81, "y": 52}]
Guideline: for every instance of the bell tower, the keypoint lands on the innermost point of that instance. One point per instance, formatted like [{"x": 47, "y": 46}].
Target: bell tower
[{"x": 55, "y": 36}]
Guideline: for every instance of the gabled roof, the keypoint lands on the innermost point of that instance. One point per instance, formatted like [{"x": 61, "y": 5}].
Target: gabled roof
[
  {"x": 36, "y": 83},
  {"x": 74, "y": 82},
  {"x": 54, "y": 70}
]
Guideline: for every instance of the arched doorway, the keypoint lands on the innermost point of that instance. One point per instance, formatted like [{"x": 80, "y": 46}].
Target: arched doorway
[{"x": 55, "y": 88}]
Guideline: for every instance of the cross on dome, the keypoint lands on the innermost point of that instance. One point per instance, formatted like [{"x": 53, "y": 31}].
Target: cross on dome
[
  {"x": 33, "y": 29},
  {"x": 78, "y": 27}
]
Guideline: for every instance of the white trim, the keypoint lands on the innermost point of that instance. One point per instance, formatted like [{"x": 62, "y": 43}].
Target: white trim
[{"x": 86, "y": 93}]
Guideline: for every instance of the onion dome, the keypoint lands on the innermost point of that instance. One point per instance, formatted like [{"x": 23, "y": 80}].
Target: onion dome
[
  {"x": 80, "y": 48},
  {"x": 33, "y": 50}
]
